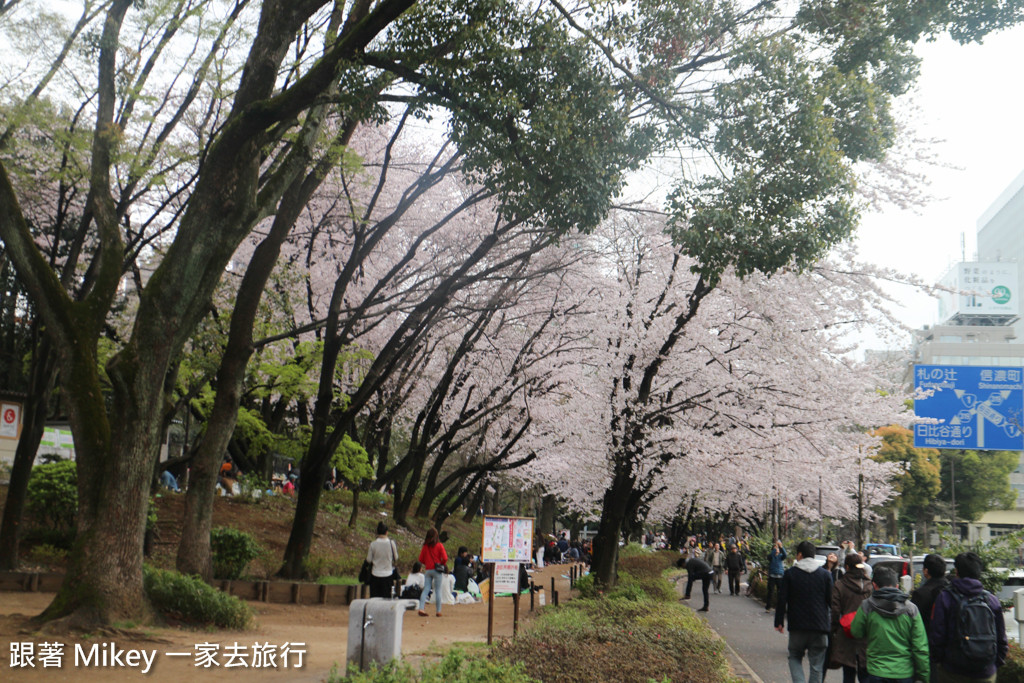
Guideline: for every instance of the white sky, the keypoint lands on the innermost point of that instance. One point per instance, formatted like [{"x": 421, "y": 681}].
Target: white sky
[{"x": 972, "y": 98}]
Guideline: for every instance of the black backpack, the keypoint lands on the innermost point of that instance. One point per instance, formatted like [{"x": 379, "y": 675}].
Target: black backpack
[
  {"x": 412, "y": 592},
  {"x": 974, "y": 632}
]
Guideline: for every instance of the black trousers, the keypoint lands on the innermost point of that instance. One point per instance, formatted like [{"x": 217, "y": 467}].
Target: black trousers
[
  {"x": 380, "y": 586},
  {"x": 734, "y": 581},
  {"x": 705, "y": 580},
  {"x": 774, "y": 582}
]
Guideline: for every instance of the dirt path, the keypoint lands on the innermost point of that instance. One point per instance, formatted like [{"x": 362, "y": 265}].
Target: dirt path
[{"x": 322, "y": 629}]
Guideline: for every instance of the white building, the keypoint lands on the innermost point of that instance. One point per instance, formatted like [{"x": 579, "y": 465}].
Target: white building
[{"x": 981, "y": 323}]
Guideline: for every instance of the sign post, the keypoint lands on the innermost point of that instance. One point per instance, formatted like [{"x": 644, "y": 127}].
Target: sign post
[
  {"x": 507, "y": 543},
  {"x": 969, "y": 407},
  {"x": 10, "y": 420}
]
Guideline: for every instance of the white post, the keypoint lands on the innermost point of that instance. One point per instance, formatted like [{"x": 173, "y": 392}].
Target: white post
[{"x": 1018, "y": 612}]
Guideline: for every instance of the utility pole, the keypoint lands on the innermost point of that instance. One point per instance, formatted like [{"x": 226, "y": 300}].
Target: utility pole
[
  {"x": 952, "y": 490},
  {"x": 821, "y": 518},
  {"x": 860, "y": 510}
]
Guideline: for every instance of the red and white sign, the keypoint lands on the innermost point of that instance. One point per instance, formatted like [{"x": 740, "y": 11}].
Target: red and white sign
[
  {"x": 10, "y": 420},
  {"x": 506, "y": 577}
]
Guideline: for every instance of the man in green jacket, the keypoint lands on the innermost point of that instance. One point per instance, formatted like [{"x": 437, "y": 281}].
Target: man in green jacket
[{"x": 897, "y": 642}]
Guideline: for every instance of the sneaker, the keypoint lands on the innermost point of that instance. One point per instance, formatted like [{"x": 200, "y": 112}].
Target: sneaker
[
  {"x": 422, "y": 613},
  {"x": 436, "y": 615},
  {"x": 703, "y": 609}
]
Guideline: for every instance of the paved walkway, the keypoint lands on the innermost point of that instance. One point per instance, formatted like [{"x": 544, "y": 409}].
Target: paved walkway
[{"x": 756, "y": 650}]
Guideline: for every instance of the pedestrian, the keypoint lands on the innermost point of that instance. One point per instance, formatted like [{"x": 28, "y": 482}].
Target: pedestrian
[
  {"x": 434, "y": 560},
  {"x": 833, "y": 567},
  {"x": 776, "y": 569},
  {"x": 462, "y": 568},
  {"x": 697, "y": 568},
  {"x": 383, "y": 557},
  {"x": 897, "y": 650},
  {"x": 168, "y": 480},
  {"x": 715, "y": 556},
  {"x": 735, "y": 565},
  {"x": 933, "y": 570},
  {"x": 849, "y": 592},
  {"x": 805, "y": 595},
  {"x": 969, "y": 640},
  {"x": 413, "y": 586}
]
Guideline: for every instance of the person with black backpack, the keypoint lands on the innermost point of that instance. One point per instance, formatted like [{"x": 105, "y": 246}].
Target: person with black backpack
[{"x": 967, "y": 627}]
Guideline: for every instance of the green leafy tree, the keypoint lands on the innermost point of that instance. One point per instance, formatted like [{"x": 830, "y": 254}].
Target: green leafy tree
[
  {"x": 918, "y": 482},
  {"x": 980, "y": 481},
  {"x": 778, "y": 107}
]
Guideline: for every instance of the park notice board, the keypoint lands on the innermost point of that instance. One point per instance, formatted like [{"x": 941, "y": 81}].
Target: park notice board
[{"x": 507, "y": 539}]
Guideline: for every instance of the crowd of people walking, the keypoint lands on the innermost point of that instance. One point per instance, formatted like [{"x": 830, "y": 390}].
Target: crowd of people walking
[{"x": 950, "y": 631}]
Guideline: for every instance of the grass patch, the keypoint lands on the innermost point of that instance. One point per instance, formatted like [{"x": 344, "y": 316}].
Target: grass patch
[
  {"x": 338, "y": 580},
  {"x": 456, "y": 667}
]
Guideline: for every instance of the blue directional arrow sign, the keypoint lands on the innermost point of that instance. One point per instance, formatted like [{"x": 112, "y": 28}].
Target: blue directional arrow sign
[{"x": 972, "y": 407}]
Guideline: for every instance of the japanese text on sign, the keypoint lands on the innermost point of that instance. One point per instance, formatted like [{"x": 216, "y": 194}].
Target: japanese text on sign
[{"x": 507, "y": 539}]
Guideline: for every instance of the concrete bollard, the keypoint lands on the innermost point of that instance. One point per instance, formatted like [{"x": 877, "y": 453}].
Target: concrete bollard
[{"x": 375, "y": 630}]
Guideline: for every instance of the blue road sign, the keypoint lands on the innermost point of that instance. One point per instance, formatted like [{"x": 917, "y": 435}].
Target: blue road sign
[{"x": 973, "y": 407}]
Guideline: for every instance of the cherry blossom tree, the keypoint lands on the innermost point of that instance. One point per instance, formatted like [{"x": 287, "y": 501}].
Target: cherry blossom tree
[
  {"x": 673, "y": 399},
  {"x": 208, "y": 117}
]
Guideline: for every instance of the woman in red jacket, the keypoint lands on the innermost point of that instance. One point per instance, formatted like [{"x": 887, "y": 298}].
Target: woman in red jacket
[{"x": 434, "y": 560}]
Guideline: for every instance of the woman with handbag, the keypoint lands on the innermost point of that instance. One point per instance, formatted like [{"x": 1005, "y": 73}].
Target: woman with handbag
[
  {"x": 434, "y": 560},
  {"x": 382, "y": 556}
]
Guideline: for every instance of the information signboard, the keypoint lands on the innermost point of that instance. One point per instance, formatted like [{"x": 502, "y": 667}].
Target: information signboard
[
  {"x": 969, "y": 407},
  {"x": 506, "y": 577},
  {"x": 507, "y": 539}
]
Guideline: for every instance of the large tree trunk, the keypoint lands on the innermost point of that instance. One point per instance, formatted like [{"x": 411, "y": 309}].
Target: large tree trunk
[
  {"x": 475, "y": 503},
  {"x": 307, "y": 504},
  {"x": 194, "y": 556},
  {"x": 34, "y": 424},
  {"x": 548, "y": 510},
  {"x": 620, "y": 502},
  {"x": 103, "y": 583}
]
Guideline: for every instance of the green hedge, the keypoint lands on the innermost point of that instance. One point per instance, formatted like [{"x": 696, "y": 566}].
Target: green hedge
[
  {"x": 604, "y": 639},
  {"x": 190, "y": 599}
]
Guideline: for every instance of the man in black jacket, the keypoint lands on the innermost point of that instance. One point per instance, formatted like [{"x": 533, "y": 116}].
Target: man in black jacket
[
  {"x": 697, "y": 568},
  {"x": 735, "y": 565},
  {"x": 934, "y": 572},
  {"x": 806, "y": 596}
]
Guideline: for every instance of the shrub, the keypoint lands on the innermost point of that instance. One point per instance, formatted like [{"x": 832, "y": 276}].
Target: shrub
[
  {"x": 603, "y": 639},
  {"x": 757, "y": 579},
  {"x": 191, "y": 600},
  {"x": 232, "y": 551},
  {"x": 647, "y": 564},
  {"x": 586, "y": 587},
  {"x": 1013, "y": 670},
  {"x": 656, "y": 588},
  {"x": 53, "y": 493},
  {"x": 320, "y": 566},
  {"x": 49, "y": 555},
  {"x": 456, "y": 667}
]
